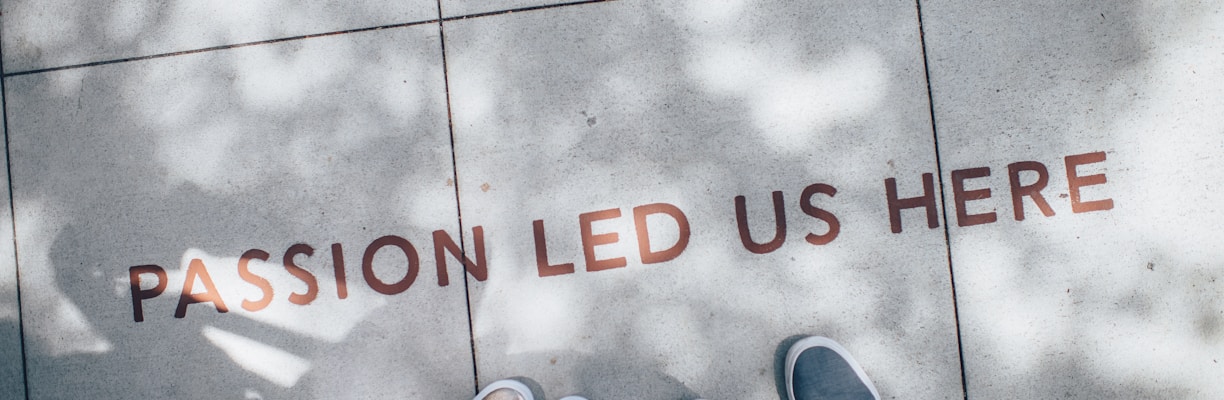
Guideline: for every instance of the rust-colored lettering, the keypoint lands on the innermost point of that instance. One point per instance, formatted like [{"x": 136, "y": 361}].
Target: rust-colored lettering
[
  {"x": 805, "y": 202},
  {"x": 643, "y": 234},
  {"x": 541, "y": 250},
  {"x": 927, "y": 200},
  {"x": 1075, "y": 182},
  {"x": 338, "y": 268},
  {"x": 367, "y": 265},
  {"x": 210, "y": 295},
  {"x": 1032, "y": 191},
  {"x": 741, "y": 219},
  {"x": 961, "y": 196},
  {"x": 589, "y": 240},
  {"x": 139, "y": 294},
  {"x": 443, "y": 243},
  {"x": 244, "y": 271},
  {"x": 312, "y": 284}
]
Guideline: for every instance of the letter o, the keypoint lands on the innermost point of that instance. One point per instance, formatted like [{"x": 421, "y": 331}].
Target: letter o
[{"x": 367, "y": 265}]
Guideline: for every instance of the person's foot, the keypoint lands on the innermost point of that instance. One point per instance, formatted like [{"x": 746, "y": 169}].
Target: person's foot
[
  {"x": 505, "y": 389},
  {"x": 817, "y": 368}
]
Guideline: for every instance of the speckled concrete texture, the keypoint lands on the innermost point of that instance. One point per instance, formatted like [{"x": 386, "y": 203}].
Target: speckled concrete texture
[
  {"x": 47, "y": 34},
  {"x": 12, "y": 383},
  {"x": 1122, "y": 297},
  {"x": 457, "y": 8},
  {"x": 595, "y": 112},
  {"x": 625, "y": 199},
  {"x": 309, "y": 151}
]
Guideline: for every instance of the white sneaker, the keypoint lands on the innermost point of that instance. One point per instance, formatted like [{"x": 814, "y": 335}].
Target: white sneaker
[{"x": 505, "y": 389}]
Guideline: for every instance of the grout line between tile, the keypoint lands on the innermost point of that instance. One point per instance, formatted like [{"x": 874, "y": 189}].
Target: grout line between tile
[
  {"x": 215, "y": 48},
  {"x": 531, "y": 8},
  {"x": 8, "y": 169},
  {"x": 300, "y": 37},
  {"x": 450, "y": 126},
  {"x": 926, "y": 69}
]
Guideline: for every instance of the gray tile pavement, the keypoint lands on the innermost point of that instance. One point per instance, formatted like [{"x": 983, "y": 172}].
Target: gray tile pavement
[
  {"x": 1112, "y": 106},
  {"x": 565, "y": 116},
  {"x": 600, "y": 150},
  {"x": 455, "y": 8},
  {"x": 12, "y": 384},
  {"x": 149, "y": 183},
  {"x": 46, "y": 34}
]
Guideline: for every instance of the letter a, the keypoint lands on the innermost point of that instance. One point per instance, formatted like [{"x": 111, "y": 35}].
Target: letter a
[{"x": 210, "y": 295}]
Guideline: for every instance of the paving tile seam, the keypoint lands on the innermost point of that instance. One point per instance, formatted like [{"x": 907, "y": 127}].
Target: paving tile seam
[
  {"x": 438, "y": 20},
  {"x": 943, "y": 203},
  {"x": 450, "y": 128},
  {"x": 8, "y": 171},
  {"x": 216, "y": 48},
  {"x": 522, "y": 9}
]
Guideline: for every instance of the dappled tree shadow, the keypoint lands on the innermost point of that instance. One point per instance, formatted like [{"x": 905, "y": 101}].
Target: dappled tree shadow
[
  {"x": 331, "y": 140},
  {"x": 616, "y": 105},
  {"x": 1097, "y": 305},
  {"x": 40, "y": 35},
  {"x": 565, "y": 111}
]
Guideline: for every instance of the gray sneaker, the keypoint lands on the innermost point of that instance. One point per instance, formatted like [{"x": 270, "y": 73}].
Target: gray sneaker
[
  {"x": 505, "y": 389},
  {"x": 817, "y": 368}
]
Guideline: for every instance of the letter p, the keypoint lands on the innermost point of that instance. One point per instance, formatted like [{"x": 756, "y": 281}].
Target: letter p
[{"x": 139, "y": 294}]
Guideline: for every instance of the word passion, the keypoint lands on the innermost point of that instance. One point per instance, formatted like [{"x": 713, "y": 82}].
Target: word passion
[{"x": 478, "y": 268}]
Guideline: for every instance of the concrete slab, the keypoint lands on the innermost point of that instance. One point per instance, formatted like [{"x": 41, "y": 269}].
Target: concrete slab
[
  {"x": 311, "y": 151},
  {"x": 12, "y": 380},
  {"x": 1119, "y": 297},
  {"x": 46, "y": 34},
  {"x": 454, "y": 8},
  {"x": 587, "y": 113}
]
